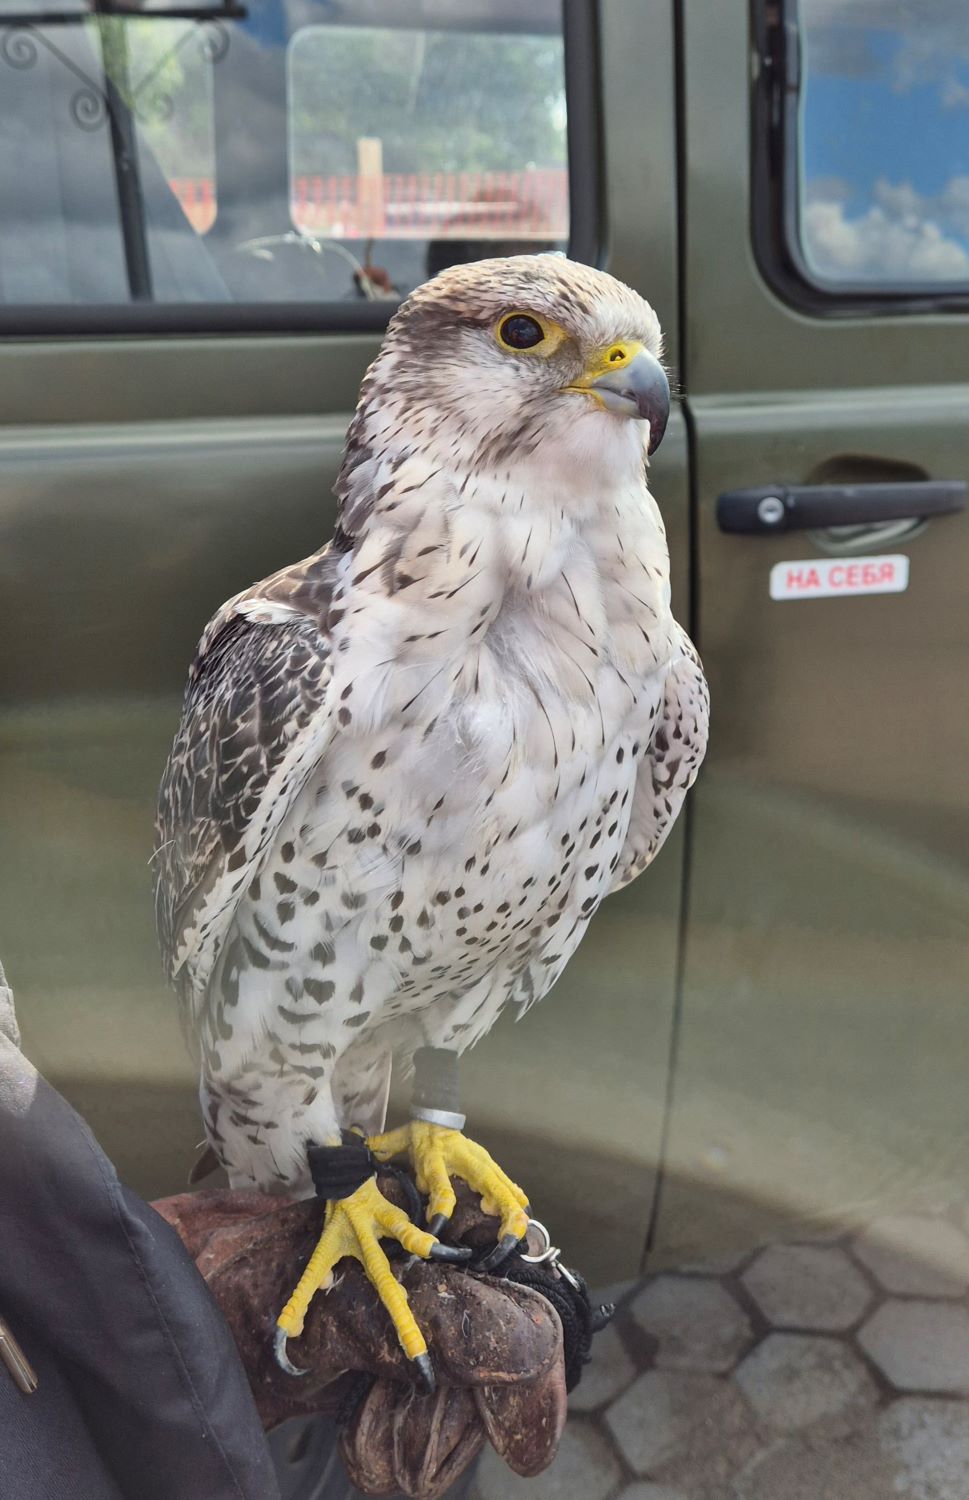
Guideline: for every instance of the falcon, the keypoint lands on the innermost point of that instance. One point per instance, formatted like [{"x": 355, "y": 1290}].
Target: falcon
[{"x": 410, "y": 766}]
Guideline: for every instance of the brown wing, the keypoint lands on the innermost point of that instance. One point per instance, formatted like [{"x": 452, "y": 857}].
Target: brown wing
[
  {"x": 255, "y": 721},
  {"x": 670, "y": 768}
]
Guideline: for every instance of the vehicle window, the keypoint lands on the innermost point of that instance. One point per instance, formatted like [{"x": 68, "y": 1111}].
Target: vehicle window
[
  {"x": 883, "y": 143},
  {"x": 435, "y": 146},
  {"x": 275, "y": 151}
]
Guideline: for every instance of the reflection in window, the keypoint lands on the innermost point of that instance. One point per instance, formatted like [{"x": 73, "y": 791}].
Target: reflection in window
[
  {"x": 274, "y": 150},
  {"x": 168, "y": 85},
  {"x": 884, "y": 138},
  {"x": 106, "y": 159},
  {"x": 422, "y": 148}
]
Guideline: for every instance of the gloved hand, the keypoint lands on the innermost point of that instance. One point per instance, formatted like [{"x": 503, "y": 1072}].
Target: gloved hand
[{"x": 496, "y": 1346}]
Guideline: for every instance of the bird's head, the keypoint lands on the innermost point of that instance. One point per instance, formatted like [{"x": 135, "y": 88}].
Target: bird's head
[{"x": 501, "y": 356}]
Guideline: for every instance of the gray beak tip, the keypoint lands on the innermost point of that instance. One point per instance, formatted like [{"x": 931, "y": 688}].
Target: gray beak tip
[{"x": 640, "y": 389}]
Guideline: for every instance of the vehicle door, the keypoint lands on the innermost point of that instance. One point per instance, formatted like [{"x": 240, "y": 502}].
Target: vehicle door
[{"x": 826, "y": 289}]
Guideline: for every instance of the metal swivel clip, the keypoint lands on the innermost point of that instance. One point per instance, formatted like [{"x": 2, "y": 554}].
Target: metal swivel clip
[{"x": 549, "y": 1255}]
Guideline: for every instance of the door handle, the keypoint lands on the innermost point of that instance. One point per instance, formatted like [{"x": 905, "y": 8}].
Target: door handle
[{"x": 801, "y": 507}]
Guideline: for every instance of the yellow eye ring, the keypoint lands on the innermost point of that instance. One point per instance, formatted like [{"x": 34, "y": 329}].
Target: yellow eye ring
[{"x": 521, "y": 332}]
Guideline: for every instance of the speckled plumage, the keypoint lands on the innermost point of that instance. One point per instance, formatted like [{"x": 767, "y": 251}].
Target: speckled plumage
[{"x": 410, "y": 767}]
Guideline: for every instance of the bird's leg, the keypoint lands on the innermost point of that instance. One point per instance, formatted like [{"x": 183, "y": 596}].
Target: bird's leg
[
  {"x": 358, "y": 1216},
  {"x": 438, "y": 1149}
]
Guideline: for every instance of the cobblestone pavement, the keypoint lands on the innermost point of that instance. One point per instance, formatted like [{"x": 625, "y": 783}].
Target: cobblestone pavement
[{"x": 828, "y": 1370}]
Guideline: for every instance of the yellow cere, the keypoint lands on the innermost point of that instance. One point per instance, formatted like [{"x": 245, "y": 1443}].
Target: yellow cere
[{"x": 612, "y": 357}]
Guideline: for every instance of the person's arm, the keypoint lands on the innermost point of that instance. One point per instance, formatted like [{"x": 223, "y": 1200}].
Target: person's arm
[{"x": 110, "y": 1309}]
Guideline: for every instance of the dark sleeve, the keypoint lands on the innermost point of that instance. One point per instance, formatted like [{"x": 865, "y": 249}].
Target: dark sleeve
[{"x": 104, "y": 1298}]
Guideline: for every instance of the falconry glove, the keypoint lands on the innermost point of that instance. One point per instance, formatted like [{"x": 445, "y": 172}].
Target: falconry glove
[{"x": 497, "y": 1346}]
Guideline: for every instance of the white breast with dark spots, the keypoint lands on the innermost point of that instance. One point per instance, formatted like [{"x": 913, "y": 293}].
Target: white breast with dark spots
[
  {"x": 449, "y": 850},
  {"x": 467, "y": 851}
]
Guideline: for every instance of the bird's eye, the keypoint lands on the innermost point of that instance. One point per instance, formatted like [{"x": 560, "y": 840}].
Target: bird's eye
[{"x": 519, "y": 331}]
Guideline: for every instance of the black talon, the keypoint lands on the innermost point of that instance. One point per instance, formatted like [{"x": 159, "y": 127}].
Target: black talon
[
  {"x": 282, "y": 1358},
  {"x": 452, "y": 1254},
  {"x": 425, "y": 1373},
  {"x": 500, "y": 1253},
  {"x": 449, "y": 1254},
  {"x": 437, "y": 1224}
]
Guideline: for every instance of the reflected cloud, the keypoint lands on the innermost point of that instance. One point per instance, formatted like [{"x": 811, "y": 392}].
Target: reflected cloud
[
  {"x": 893, "y": 240},
  {"x": 884, "y": 184}
]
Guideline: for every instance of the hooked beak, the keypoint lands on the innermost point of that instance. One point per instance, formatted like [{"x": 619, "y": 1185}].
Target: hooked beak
[{"x": 628, "y": 381}]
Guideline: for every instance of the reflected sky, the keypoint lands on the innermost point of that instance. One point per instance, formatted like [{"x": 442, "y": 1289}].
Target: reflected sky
[{"x": 885, "y": 139}]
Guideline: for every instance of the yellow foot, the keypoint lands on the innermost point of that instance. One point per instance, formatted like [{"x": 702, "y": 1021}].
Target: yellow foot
[
  {"x": 435, "y": 1153},
  {"x": 354, "y": 1226}
]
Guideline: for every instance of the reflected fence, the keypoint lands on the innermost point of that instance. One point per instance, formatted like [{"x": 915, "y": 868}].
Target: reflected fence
[{"x": 530, "y": 204}]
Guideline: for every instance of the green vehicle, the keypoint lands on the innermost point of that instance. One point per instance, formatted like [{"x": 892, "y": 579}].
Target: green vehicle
[{"x": 209, "y": 216}]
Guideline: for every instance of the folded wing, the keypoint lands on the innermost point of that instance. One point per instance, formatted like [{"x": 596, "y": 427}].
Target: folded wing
[
  {"x": 669, "y": 768},
  {"x": 255, "y": 721}
]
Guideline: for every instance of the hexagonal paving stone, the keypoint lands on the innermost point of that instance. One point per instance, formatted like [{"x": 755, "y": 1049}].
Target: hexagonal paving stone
[
  {"x": 920, "y": 1346},
  {"x": 644, "y": 1422},
  {"x": 808, "y": 1468},
  {"x": 807, "y": 1286},
  {"x": 608, "y": 1372},
  {"x": 717, "y": 1265},
  {"x": 919, "y": 1255},
  {"x": 794, "y": 1379},
  {"x": 699, "y": 1325},
  {"x": 665, "y": 1413},
  {"x": 929, "y": 1442},
  {"x": 651, "y": 1492},
  {"x": 584, "y": 1466}
]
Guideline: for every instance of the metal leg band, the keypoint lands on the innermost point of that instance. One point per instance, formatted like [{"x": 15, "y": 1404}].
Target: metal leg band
[
  {"x": 449, "y": 1119},
  {"x": 436, "y": 1085}
]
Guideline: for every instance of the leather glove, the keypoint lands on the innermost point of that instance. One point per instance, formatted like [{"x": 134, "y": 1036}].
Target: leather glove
[{"x": 496, "y": 1346}]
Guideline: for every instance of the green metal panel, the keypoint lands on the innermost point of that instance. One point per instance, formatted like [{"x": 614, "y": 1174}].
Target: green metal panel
[
  {"x": 821, "y": 1066},
  {"x": 181, "y": 378},
  {"x": 638, "y": 111}
]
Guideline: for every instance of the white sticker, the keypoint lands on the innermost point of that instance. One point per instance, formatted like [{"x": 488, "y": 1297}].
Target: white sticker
[{"x": 826, "y": 578}]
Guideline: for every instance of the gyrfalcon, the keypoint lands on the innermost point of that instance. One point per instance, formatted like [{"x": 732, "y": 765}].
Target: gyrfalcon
[{"x": 411, "y": 766}]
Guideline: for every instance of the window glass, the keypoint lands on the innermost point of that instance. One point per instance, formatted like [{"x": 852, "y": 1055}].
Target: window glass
[
  {"x": 106, "y": 158},
  {"x": 422, "y": 148},
  {"x": 274, "y": 150},
  {"x": 170, "y": 66},
  {"x": 884, "y": 141}
]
